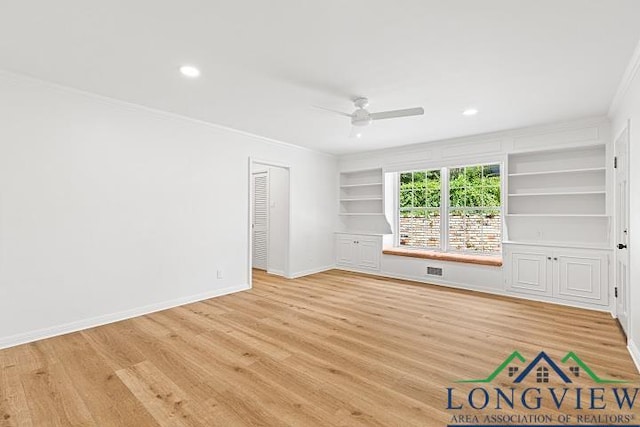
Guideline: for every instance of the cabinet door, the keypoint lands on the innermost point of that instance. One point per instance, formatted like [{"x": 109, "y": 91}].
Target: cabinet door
[
  {"x": 368, "y": 253},
  {"x": 528, "y": 271},
  {"x": 581, "y": 276},
  {"x": 345, "y": 250}
]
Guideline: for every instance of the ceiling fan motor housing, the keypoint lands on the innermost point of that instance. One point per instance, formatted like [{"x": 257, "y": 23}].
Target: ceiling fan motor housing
[{"x": 361, "y": 117}]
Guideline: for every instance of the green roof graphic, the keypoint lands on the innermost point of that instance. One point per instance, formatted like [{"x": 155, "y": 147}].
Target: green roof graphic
[
  {"x": 503, "y": 365},
  {"x": 572, "y": 356}
]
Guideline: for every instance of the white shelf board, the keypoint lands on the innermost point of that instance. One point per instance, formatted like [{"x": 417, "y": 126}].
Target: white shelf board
[
  {"x": 572, "y": 245},
  {"x": 560, "y": 215},
  {"x": 361, "y": 199},
  {"x": 560, "y": 193},
  {"x": 367, "y": 184},
  {"x": 360, "y": 214},
  {"x": 561, "y": 171},
  {"x": 360, "y": 233}
]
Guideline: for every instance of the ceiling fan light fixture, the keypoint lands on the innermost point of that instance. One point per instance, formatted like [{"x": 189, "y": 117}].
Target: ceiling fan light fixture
[{"x": 190, "y": 71}]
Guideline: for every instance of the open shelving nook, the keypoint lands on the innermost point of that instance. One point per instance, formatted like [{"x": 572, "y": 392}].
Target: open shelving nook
[
  {"x": 362, "y": 201},
  {"x": 361, "y": 193},
  {"x": 558, "y": 196}
]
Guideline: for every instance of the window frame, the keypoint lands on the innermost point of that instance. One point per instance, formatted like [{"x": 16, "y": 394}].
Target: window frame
[
  {"x": 439, "y": 209},
  {"x": 445, "y": 246}
]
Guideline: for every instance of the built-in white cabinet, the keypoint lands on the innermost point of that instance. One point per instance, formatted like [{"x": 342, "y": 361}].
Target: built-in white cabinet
[
  {"x": 556, "y": 273},
  {"x": 358, "y": 251}
]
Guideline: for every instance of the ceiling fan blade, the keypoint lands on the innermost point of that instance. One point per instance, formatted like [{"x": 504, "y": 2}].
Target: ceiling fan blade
[
  {"x": 331, "y": 111},
  {"x": 397, "y": 113}
]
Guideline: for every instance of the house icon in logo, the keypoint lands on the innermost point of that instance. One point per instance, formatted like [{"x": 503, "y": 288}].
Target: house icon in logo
[
  {"x": 543, "y": 366},
  {"x": 542, "y": 369}
]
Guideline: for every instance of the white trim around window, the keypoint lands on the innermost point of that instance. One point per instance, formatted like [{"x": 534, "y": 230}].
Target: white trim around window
[{"x": 444, "y": 209}]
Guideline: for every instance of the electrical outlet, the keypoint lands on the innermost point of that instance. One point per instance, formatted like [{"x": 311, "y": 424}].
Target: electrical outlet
[{"x": 220, "y": 274}]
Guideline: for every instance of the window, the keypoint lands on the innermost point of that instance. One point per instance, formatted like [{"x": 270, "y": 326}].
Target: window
[
  {"x": 474, "y": 209},
  {"x": 419, "y": 216},
  {"x": 455, "y": 209},
  {"x": 542, "y": 375}
]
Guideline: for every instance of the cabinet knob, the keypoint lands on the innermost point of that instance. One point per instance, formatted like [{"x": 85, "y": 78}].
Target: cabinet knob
[
  {"x": 555, "y": 258},
  {"x": 549, "y": 258}
]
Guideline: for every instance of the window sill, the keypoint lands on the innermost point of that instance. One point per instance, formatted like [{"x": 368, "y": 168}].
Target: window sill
[{"x": 443, "y": 256}]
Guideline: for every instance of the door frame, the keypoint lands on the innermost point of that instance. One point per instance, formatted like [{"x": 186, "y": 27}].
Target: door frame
[
  {"x": 251, "y": 165},
  {"x": 627, "y": 290}
]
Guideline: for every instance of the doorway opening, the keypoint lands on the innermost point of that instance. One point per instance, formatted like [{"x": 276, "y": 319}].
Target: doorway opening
[{"x": 269, "y": 204}]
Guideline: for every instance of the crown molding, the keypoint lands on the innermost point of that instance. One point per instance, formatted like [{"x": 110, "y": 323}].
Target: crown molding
[
  {"x": 478, "y": 138},
  {"x": 131, "y": 105},
  {"x": 627, "y": 78}
]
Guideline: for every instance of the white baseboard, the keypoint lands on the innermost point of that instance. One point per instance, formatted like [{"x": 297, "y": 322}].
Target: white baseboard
[
  {"x": 92, "y": 322},
  {"x": 311, "y": 271},
  {"x": 635, "y": 353},
  {"x": 456, "y": 285},
  {"x": 276, "y": 272}
]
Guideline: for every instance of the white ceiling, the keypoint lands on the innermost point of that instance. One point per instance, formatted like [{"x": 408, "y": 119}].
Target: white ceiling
[{"x": 265, "y": 63}]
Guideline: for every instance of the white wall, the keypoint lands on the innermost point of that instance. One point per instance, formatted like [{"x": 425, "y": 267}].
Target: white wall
[
  {"x": 479, "y": 148},
  {"x": 626, "y": 106},
  {"x": 108, "y": 209}
]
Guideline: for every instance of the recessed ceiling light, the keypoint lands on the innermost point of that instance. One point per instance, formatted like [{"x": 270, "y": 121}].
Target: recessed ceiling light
[
  {"x": 190, "y": 71},
  {"x": 470, "y": 112}
]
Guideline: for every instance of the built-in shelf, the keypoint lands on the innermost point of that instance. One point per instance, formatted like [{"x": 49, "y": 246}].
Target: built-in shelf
[
  {"x": 367, "y": 184},
  {"x": 576, "y": 215},
  {"x": 560, "y": 171},
  {"x": 361, "y": 199},
  {"x": 560, "y": 193}
]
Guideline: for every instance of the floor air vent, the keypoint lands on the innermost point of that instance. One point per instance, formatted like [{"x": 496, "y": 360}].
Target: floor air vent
[{"x": 434, "y": 271}]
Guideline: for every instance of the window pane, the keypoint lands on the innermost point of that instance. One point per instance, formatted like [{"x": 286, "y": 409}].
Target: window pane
[
  {"x": 492, "y": 196},
  {"x": 419, "y": 177},
  {"x": 406, "y": 178},
  {"x": 474, "y": 196},
  {"x": 456, "y": 177},
  {"x": 433, "y": 189},
  {"x": 491, "y": 174},
  {"x": 473, "y": 175},
  {"x": 432, "y": 229},
  {"x": 433, "y": 199},
  {"x": 492, "y": 231},
  {"x": 406, "y": 199},
  {"x": 456, "y": 230},
  {"x": 478, "y": 227},
  {"x": 420, "y": 228},
  {"x": 419, "y": 198},
  {"x": 433, "y": 175},
  {"x": 457, "y": 197},
  {"x": 474, "y": 241}
]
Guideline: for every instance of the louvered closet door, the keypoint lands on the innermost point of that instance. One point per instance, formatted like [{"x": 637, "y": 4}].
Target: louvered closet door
[{"x": 260, "y": 219}]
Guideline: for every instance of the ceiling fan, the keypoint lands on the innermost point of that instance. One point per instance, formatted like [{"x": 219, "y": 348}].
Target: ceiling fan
[{"x": 362, "y": 117}]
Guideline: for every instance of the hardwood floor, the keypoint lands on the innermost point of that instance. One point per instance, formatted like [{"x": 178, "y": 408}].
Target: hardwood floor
[{"x": 332, "y": 349}]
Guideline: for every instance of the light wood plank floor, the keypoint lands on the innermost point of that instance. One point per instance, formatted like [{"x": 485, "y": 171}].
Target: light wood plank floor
[{"x": 332, "y": 349}]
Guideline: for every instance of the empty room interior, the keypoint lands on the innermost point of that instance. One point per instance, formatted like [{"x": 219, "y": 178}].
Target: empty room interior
[{"x": 319, "y": 213}]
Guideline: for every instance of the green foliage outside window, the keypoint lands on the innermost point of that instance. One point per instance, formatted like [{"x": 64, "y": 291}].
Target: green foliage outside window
[{"x": 473, "y": 186}]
